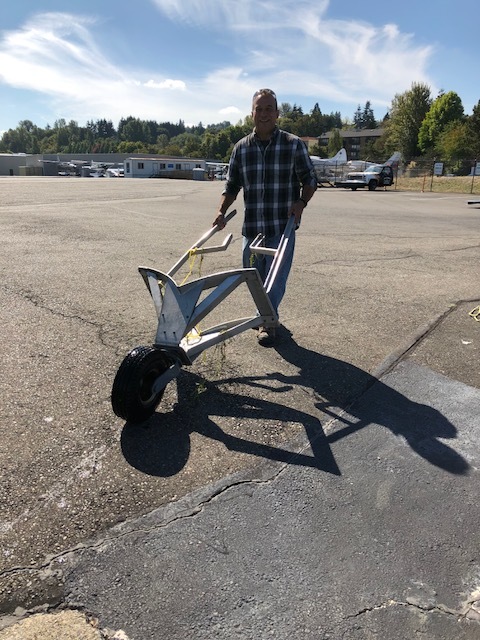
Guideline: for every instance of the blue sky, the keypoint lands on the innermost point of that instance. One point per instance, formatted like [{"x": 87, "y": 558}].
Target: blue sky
[{"x": 201, "y": 60}]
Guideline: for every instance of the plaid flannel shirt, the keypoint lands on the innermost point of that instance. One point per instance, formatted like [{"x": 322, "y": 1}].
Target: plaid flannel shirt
[{"x": 271, "y": 176}]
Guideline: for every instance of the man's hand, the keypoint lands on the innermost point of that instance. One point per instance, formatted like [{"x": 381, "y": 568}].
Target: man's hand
[
  {"x": 297, "y": 210},
  {"x": 220, "y": 221}
]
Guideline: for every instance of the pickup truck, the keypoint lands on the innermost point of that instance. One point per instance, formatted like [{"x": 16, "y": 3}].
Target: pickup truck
[{"x": 377, "y": 175}]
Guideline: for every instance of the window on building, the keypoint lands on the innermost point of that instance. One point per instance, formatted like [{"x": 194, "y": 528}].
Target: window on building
[
  {"x": 140, "y": 165},
  {"x": 178, "y": 166}
]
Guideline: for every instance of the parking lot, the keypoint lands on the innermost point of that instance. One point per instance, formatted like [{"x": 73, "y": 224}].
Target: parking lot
[{"x": 372, "y": 272}]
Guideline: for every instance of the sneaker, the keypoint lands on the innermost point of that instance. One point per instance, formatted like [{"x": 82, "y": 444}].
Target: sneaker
[{"x": 266, "y": 336}]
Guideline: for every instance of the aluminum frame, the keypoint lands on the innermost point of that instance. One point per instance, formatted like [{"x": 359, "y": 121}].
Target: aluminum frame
[{"x": 179, "y": 308}]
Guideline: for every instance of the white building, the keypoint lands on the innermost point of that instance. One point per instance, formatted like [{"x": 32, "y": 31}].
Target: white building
[{"x": 162, "y": 167}]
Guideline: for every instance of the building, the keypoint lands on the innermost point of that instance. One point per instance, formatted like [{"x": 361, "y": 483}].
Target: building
[
  {"x": 311, "y": 142},
  {"x": 10, "y": 163},
  {"x": 354, "y": 141},
  {"x": 162, "y": 167},
  {"x": 142, "y": 165}
]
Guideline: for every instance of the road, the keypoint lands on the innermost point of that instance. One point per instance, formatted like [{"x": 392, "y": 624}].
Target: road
[{"x": 374, "y": 271}]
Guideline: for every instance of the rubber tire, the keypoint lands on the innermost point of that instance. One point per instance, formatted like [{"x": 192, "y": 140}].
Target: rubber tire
[
  {"x": 372, "y": 185},
  {"x": 132, "y": 397}
]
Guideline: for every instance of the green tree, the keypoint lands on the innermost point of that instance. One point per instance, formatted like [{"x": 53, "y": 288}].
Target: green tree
[
  {"x": 286, "y": 123},
  {"x": 335, "y": 143},
  {"x": 452, "y": 145},
  {"x": 133, "y": 130},
  {"x": 447, "y": 108},
  {"x": 48, "y": 143},
  {"x": 358, "y": 118},
  {"x": 407, "y": 113},
  {"x": 369, "y": 121},
  {"x": 131, "y": 147},
  {"x": 297, "y": 113},
  {"x": 315, "y": 121},
  {"x": 62, "y": 135},
  {"x": 473, "y": 132},
  {"x": 207, "y": 148},
  {"x": 285, "y": 109},
  {"x": 364, "y": 118},
  {"x": 19, "y": 140},
  {"x": 162, "y": 141},
  {"x": 105, "y": 129},
  {"x": 188, "y": 143}
]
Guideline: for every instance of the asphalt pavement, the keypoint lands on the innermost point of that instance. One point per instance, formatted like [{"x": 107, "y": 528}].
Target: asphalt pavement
[{"x": 325, "y": 488}]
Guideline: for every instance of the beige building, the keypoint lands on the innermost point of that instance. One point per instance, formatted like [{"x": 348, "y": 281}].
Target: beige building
[{"x": 354, "y": 141}]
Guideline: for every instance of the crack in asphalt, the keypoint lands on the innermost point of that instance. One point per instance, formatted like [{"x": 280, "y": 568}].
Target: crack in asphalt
[
  {"x": 45, "y": 568},
  {"x": 34, "y": 299},
  {"x": 462, "y": 614}
]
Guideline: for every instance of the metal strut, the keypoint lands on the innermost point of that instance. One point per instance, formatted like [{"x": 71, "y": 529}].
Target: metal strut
[{"x": 180, "y": 307}]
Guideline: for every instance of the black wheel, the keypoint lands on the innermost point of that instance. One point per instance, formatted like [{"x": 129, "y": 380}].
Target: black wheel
[
  {"x": 372, "y": 185},
  {"x": 133, "y": 398}
]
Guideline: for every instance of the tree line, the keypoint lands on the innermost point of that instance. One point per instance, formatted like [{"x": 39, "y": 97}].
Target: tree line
[
  {"x": 420, "y": 127},
  {"x": 134, "y": 135}
]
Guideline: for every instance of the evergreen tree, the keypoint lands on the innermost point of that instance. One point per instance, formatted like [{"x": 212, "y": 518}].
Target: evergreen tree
[
  {"x": 368, "y": 119},
  {"x": 364, "y": 118},
  {"x": 358, "y": 118}
]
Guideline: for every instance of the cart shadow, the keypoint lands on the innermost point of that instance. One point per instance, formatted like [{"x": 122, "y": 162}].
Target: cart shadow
[
  {"x": 351, "y": 396},
  {"x": 161, "y": 446}
]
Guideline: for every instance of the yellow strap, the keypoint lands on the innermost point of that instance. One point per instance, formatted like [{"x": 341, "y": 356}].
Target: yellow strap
[
  {"x": 195, "y": 333},
  {"x": 192, "y": 256}
]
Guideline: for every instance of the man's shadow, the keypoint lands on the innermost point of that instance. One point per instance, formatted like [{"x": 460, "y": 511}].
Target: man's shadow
[{"x": 161, "y": 446}]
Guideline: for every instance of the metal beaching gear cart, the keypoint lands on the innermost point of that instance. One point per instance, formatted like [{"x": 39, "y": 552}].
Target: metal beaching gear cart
[{"x": 146, "y": 370}]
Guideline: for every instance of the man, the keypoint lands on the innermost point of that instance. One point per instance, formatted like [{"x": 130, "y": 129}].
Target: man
[{"x": 278, "y": 179}]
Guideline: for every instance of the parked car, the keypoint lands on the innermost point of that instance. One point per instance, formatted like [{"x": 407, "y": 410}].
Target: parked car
[{"x": 377, "y": 175}]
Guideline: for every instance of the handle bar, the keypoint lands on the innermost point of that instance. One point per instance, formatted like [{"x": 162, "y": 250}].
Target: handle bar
[{"x": 201, "y": 241}]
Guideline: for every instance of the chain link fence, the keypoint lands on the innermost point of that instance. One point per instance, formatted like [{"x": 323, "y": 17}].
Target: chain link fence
[{"x": 430, "y": 176}]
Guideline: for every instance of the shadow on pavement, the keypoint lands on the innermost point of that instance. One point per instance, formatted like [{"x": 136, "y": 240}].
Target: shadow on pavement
[{"x": 161, "y": 446}]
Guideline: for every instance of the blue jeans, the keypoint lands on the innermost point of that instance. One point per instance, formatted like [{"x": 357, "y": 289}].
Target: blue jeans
[{"x": 263, "y": 262}]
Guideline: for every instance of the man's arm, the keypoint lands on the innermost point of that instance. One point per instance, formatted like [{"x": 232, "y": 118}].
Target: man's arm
[
  {"x": 308, "y": 178},
  {"x": 301, "y": 203},
  {"x": 307, "y": 193},
  {"x": 226, "y": 201},
  {"x": 229, "y": 194}
]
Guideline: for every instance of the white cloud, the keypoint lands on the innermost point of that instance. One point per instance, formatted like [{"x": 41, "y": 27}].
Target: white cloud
[
  {"x": 166, "y": 84},
  {"x": 290, "y": 46},
  {"x": 56, "y": 55},
  {"x": 295, "y": 48},
  {"x": 231, "y": 111}
]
